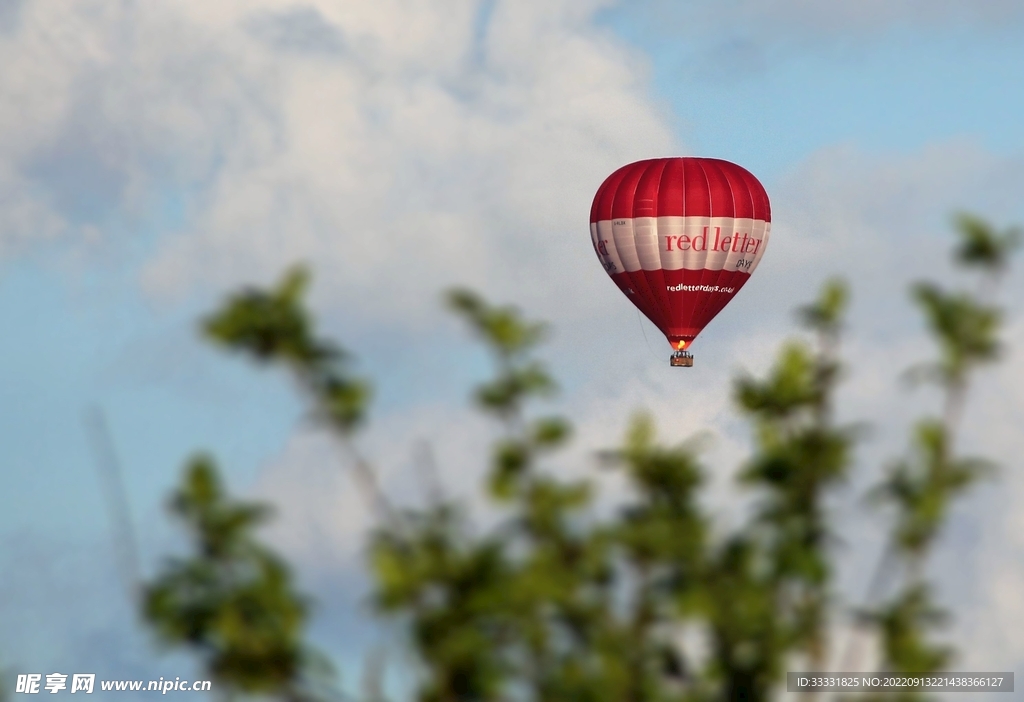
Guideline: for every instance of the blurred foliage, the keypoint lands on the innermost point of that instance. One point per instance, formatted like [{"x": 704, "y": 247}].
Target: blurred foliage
[
  {"x": 921, "y": 488},
  {"x": 983, "y": 247},
  {"x": 232, "y": 601},
  {"x": 274, "y": 326},
  {"x": 572, "y": 606},
  {"x": 965, "y": 330},
  {"x": 904, "y": 623},
  {"x": 562, "y": 599}
]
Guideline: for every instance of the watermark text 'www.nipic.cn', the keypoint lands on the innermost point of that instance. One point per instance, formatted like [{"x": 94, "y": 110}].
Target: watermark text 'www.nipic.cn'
[{"x": 35, "y": 683}]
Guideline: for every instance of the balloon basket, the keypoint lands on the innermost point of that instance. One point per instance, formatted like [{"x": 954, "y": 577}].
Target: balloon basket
[{"x": 681, "y": 359}]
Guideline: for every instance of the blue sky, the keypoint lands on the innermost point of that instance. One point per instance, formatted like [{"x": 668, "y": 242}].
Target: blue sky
[{"x": 154, "y": 156}]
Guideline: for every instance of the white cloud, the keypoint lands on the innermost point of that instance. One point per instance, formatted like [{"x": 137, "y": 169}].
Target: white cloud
[
  {"x": 987, "y": 571},
  {"x": 422, "y": 153},
  {"x": 402, "y": 147},
  {"x": 883, "y": 221},
  {"x": 880, "y": 221}
]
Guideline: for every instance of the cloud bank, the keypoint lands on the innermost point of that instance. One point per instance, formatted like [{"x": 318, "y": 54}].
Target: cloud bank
[{"x": 402, "y": 147}]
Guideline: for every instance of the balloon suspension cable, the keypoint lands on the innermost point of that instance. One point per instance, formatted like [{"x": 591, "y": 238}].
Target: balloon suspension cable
[{"x": 644, "y": 332}]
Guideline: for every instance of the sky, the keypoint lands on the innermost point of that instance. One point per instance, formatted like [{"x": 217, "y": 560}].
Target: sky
[{"x": 157, "y": 155}]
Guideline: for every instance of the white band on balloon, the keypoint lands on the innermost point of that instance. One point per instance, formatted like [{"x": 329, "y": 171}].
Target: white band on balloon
[{"x": 674, "y": 243}]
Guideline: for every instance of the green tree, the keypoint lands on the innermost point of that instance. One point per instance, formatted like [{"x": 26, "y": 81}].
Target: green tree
[
  {"x": 563, "y": 601},
  {"x": 921, "y": 488},
  {"x": 232, "y": 601}
]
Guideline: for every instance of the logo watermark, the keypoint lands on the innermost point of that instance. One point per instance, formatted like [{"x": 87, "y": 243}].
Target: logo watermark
[{"x": 85, "y": 683}]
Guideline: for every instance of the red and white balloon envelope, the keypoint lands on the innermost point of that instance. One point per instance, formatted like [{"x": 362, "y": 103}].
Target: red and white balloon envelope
[{"x": 680, "y": 237}]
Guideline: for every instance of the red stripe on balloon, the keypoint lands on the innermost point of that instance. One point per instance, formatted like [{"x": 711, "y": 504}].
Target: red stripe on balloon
[{"x": 684, "y": 192}]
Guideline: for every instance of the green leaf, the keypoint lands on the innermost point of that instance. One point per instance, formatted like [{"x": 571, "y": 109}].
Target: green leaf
[
  {"x": 826, "y": 313},
  {"x": 503, "y": 329},
  {"x": 231, "y": 599},
  {"x": 551, "y": 432},
  {"x": 981, "y": 246}
]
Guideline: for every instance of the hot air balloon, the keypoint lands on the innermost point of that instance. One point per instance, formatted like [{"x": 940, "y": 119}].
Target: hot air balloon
[{"x": 680, "y": 237}]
